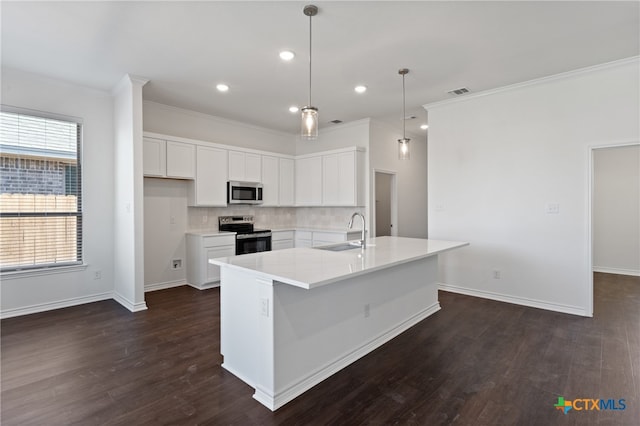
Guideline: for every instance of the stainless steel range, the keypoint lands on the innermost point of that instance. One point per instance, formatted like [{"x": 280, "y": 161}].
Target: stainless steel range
[{"x": 248, "y": 239}]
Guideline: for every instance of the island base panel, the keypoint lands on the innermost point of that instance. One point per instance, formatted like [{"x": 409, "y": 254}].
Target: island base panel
[{"x": 282, "y": 340}]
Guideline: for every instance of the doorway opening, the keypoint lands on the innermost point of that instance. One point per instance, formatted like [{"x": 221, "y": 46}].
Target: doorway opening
[
  {"x": 385, "y": 212},
  {"x": 614, "y": 224}
]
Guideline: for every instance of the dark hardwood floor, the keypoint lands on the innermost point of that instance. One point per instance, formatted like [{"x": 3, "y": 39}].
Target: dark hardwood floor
[{"x": 476, "y": 362}]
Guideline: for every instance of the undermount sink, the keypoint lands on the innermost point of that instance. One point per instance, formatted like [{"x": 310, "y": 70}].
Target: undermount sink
[{"x": 340, "y": 246}]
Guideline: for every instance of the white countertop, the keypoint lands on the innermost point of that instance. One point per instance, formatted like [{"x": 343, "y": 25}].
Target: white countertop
[{"x": 310, "y": 267}]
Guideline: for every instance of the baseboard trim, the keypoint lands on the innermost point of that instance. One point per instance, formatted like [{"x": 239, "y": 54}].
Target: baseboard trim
[
  {"x": 206, "y": 286},
  {"x": 523, "y": 301},
  {"x": 273, "y": 402},
  {"x": 604, "y": 270},
  {"x": 164, "y": 285},
  {"x": 133, "y": 307},
  {"x": 43, "y": 307}
]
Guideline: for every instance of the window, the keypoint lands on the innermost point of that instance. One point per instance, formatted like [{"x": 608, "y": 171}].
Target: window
[{"x": 40, "y": 190}]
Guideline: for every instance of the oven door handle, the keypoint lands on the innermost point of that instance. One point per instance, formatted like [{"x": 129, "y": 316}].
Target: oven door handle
[{"x": 248, "y": 236}]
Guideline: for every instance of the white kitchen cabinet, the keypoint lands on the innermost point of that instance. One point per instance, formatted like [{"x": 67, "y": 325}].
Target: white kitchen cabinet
[
  {"x": 210, "y": 185},
  {"x": 343, "y": 179},
  {"x": 181, "y": 160},
  {"x": 308, "y": 181},
  {"x": 270, "y": 180},
  {"x": 245, "y": 166},
  {"x": 321, "y": 238},
  {"x": 303, "y": 238},
  {"x": 202, "y": 247},
  {"x": 169, "y": 159},
  {"x": 286, "y": 184},
  {"x": 282, "y": 239},
  {"x": 154, "y": 157}
]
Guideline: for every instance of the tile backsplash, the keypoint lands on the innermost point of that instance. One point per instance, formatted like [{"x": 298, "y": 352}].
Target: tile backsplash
[{"x": 206, "y": 218}]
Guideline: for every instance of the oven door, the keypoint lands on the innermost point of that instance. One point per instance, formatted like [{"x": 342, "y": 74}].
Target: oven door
[{"x": 253, "y": 243}]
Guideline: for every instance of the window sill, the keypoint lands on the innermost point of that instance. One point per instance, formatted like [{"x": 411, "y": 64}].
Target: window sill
[{"x": 11, "y": 275}]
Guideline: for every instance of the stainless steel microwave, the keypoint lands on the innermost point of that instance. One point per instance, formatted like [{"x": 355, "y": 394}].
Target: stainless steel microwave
[{"x": 244, "y": 192}]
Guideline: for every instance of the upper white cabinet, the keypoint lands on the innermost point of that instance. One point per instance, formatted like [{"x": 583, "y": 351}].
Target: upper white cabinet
[
  {"x": 270, "y": 180},
  {"x": 277, "y": 181},
  {"x": 334, "y": 178},
  {"x": 245, "y": 166},
  {"x": 166, "y": 158},
  {"x": 181, "y": 160},
  {"x": 287, "y": 182},
  {"x": 343, "y": 179},
  {"x": 308, "y": 181},
  {"x": 154, "y": 157},
  {"x": 210, "y": 185}
]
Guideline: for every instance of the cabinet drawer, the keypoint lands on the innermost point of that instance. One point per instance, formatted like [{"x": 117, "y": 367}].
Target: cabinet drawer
[{"x": 218, "y": 241}]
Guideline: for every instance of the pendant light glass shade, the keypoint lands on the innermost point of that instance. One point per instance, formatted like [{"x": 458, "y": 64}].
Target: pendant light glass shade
[
  {"x": 309, "y": 123},
  {"x": 403, "y": 149},
  {"x": 309, "y": 113},
  {"x": 403, "y": 144}
]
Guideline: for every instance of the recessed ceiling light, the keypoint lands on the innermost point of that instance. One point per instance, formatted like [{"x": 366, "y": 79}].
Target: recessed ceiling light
[
  {"x": 424, "y": 126},
  {"x": 293, "y": 109},
  {"x": 222, "y": 87},
  {"x": 360, "y": 89},
  {"x": 287, "y": 55}
]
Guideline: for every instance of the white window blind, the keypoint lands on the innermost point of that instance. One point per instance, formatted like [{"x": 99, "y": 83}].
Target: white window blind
[{"x": 40, "y": 191}]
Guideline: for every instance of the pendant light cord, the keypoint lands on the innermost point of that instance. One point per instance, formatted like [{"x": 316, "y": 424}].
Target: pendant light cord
[
  {"x": 404, "y": 115},
  {"x": 310, "y": 16}
]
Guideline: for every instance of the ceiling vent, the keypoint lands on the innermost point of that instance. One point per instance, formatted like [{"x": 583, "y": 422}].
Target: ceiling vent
[
  {"x": 410, "y": 117},
  {"x": 336, "y": 121},
  {"x": 458, "y": 92}
]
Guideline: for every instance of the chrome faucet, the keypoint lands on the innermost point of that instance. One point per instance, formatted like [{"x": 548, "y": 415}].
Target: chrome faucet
[{"x": 363, "y": 240}]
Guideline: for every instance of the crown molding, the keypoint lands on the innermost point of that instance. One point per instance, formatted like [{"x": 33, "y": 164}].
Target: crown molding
[{"x": 568, "y": 74}]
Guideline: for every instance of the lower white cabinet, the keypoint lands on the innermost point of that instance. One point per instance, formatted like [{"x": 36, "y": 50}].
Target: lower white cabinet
[
  {"x": 312, "y": 238},
  {"x": 282, "y": 240},
  {"x": 201, "y": 248}
]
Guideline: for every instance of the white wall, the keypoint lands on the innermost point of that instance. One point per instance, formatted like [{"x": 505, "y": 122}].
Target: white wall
[
  {"x": 616, "y": 210},
  {"x": 344, "y": 135},
  {"x": 168, "y": 120},
  {"x": 411, "y": 176},
  {"x": 495, "y": 163},
  {"x": 50, "y": 291}
]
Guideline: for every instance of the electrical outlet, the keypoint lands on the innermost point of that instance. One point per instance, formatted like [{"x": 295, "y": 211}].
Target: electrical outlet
[
  {"x": 496, "y": 274},
  {"x": 264, "y": 307},
  {"x": 176, "y": 264},
  {"x": 97, "y": 275},
  {"x": 367, "y": 310}
]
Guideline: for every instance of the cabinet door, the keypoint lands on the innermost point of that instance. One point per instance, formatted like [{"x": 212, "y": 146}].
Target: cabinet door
[
  {"x": 236, "y": 166},
  {"x": 213, "y": 271},
  {"x": 252, "y": 167},
  {"x": 286, "y": 182},
  {"x": 270, "y": 180},
  {"x": 331, "y": 180},
  {"x": 211, "y": 177},
  {"x": 154, "y": 153},
  {"x": 347, "y": 185},
  {"x": 281, "y": 245},
  {"x": 181, "y": 158},
  {"x": 309, "y": 181}
]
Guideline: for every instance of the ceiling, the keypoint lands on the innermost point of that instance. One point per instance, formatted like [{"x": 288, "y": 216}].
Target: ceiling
[{"x": 186, "y": 48}]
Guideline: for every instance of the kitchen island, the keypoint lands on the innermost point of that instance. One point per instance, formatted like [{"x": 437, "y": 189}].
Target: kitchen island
[{"x": 291, "y": 318}]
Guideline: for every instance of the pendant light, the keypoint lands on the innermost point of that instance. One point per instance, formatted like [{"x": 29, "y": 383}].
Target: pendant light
[
  {"x": 310, "y": 113},
  {"x": 403, "y": 144}
]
